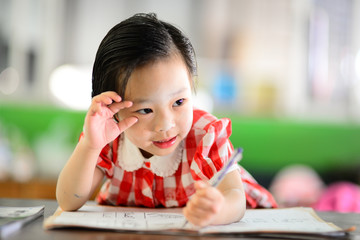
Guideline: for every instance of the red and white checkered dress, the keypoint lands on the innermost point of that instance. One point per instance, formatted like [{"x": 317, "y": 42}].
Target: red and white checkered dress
[{"x": 168, "y": 181}]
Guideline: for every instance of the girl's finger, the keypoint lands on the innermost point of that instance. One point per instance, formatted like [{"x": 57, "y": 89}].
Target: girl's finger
[
  {"x": 199, "y": 211},
  {"x": 107, "y": 98},
  {"x": 200, "y": 185},
  {"x": 113, "y": 95},
  {"x": 209, "y": 193},
  {"x": 194, "y": 219},
  {"x": 197, "y": 218},
  {"x": 94, "y": 109},
  {"x": 126, "y": 123},
  {"x": 117, "y": 106},
  {"x": 203, "y": 206},
  {"x": 200, "y": 202}
]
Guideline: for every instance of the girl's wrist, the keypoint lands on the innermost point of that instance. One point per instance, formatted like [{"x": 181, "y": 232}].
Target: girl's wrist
[{"x": 89, "y": 147}]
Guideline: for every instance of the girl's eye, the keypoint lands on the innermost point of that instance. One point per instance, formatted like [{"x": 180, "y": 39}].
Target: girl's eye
[
  {"x": 179, "y": 102},
  {"x": 145, "y": 111}
]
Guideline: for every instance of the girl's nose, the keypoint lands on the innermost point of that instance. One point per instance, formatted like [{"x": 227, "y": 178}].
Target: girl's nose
[{"x": 164, "y": 122}]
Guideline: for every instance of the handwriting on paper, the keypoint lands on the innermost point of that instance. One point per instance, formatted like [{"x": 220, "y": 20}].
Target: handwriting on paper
[{"x": 140, "y": 219}]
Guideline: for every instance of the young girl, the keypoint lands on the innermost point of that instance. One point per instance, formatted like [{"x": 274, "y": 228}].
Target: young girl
[{"x": 142, "y": 132}]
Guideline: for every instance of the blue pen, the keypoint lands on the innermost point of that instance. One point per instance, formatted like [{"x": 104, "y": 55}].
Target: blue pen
[{"x": 235, "y": 158}]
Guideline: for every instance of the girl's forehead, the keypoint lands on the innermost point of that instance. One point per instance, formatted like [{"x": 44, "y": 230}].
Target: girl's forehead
[{"x": 168, "y": 75}]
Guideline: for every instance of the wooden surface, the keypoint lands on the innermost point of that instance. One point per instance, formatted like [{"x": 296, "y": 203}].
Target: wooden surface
[
  {"x": 35, "y": 231},
  {"x": 33, "y": 189}
]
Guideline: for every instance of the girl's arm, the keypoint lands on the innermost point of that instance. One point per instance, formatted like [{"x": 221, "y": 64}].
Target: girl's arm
[
  {"x": 222, "y": 205},
  {"x": 80, "y": 176},
  {"x": 235, "y": 202}
]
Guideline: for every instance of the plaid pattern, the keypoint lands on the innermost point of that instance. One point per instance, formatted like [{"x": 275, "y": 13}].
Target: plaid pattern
[{"x": 206, "y": 149}]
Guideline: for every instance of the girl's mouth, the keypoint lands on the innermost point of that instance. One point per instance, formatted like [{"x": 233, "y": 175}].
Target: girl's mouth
[{"x": 166, "y": 143}]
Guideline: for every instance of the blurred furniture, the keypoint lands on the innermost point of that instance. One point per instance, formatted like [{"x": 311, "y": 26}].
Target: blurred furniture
[
  {"x": 34, "y": 229},
  {"x": 36, "y": 188}
]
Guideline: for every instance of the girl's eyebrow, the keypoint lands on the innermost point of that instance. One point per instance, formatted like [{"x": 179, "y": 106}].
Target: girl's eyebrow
[{"x": 146, "y": 100}]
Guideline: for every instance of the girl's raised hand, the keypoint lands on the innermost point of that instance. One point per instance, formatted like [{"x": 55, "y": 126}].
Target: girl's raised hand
[
  {"x": 100, "y": 125},
  {"x": 204, "y": 206}
]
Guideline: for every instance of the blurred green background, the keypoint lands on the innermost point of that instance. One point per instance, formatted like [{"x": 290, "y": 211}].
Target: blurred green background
[{"x": 269, "y": 144}]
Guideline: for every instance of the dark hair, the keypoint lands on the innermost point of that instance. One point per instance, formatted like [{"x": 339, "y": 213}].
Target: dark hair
[{"x": 135, "y": 42}]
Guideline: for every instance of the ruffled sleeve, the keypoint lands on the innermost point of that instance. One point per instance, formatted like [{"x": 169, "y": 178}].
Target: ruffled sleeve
[
  {"x": 208, "y": 142},
  {"x": 256, "y": 195}
]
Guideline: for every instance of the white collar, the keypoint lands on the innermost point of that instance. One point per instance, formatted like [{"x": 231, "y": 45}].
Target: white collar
[{"x": 131, "y": 159}]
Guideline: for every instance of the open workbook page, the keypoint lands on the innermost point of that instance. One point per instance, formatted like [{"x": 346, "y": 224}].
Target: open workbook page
[{"x": 288, "y": 221}]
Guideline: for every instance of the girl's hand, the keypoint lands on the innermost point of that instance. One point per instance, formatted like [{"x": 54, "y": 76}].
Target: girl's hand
[
  {"x": 100, "y": 125},
  {"x": 205, "y": 205}
]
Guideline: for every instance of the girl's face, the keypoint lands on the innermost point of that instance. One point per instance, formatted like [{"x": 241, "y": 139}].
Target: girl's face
[{"x": 162, "y": 101}]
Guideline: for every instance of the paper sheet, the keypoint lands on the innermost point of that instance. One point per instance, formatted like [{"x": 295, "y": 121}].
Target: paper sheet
[
  {"x": 287, "y": 220},
  {"x": 13, "y": 218}
]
